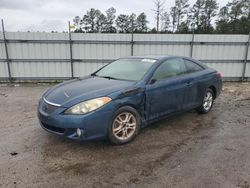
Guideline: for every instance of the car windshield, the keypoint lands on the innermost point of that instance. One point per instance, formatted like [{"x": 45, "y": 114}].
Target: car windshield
[{"x": 126, "y": 69}]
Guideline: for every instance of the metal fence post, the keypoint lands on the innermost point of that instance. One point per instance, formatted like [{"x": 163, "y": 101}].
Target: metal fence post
[
  {"x": 192, "y": 45},
  {"x": 245, "y": 58},
  {"x": 6, "y": 52},
  {"x": 132, "y": 40},
  {"x": 70, "y": 51}
]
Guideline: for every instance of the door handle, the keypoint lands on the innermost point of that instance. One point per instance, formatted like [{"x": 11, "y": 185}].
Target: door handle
[{"x": 188, "y": 84}]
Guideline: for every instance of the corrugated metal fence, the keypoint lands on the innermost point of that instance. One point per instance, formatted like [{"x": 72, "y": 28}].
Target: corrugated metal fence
[{"x": 54, "y": 56}]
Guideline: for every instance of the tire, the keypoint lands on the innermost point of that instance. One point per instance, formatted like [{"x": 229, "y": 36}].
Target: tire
[
  {"x": 207, "y": 102},
  {"x": 125, "y": 125}
]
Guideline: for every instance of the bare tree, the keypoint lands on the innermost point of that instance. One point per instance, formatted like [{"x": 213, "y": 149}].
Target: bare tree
[{"x": 158, "y": 11}]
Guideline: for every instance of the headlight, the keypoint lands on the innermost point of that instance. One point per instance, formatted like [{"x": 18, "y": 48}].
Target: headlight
[{"x": 88, "y": 106}]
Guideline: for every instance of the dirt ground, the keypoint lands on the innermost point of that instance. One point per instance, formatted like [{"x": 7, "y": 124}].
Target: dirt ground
[{"x": 189, "y": 150}]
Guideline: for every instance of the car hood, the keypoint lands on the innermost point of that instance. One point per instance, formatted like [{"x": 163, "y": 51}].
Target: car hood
[{"x": 72, "y": 92}]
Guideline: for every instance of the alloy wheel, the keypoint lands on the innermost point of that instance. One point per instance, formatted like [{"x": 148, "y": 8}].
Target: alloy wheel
[
  {"x": 208, "y": 101},
  {"x": 124, "y": 126}
]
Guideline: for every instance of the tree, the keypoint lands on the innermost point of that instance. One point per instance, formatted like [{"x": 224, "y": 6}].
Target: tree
[
  {"x": 202, "y": 13},
  {"x": 141, "y": 23},
  {"x": 132, "y": 23},
  {"x": 246, "y": 16},
  {"x": 186, "y": 26},
  {"x": 173, "y": 15},
  {"x": 165, "y": 21},
  {"x": 126, "y": 23},
  {"x": 246, "y": 8},
  {"x": 88, "y": 20},
  {"x": 223, "y": 14},
  {"x": 234, "y": 17},
  {"x": 158, "y": 11},
  {"x": 235, "y": 12},
  {"x": 110, "y": 16},
  {"x": 153, "y": 30},
  {"x": 196, "y": 13},
  {"x": 222, "y": 22},
  {"x": 122, "y": 23},
  {"x": 210, "y": 10},
  {"x": 101, "y": 21},
  {"x": 93, "y": 21},
  {"x": 178, "y": 12}
]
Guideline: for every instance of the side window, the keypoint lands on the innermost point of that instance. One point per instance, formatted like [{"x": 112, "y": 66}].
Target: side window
[
  {"x": 170, "y": 68},
  {"x": 192, "y": 67}
]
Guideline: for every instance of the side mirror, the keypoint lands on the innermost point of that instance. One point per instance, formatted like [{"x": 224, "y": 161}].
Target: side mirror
[{"x": 152, "y": 81}]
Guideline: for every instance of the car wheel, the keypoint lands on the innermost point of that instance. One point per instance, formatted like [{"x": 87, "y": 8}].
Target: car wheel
[
  {"x": 125, "y": 125},
  {"x": 207, "y": 103}
]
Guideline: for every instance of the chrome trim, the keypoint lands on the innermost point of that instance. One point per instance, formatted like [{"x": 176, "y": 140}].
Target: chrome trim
[{"x": 51, "y": 103}]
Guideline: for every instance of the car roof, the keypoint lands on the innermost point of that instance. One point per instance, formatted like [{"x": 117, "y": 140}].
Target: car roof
[
  {"x": 164, "y": 57},
  {"x": 157, "y": 57}
]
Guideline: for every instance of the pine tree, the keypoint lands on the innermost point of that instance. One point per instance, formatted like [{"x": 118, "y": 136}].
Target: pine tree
[
  {"x": 210, "y": 10},
  {"x": 196, "y": 13},
  {"x": 110, "y": 16},
  {"x": 178, "y": 12},
  {"x": 234, "y": 17},
  {"x": 141, "y": 23},
  {"x": 122, "y": 23}
]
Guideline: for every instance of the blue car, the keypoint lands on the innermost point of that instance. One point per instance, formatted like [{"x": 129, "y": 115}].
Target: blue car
[{"x": 124, "y": 96}]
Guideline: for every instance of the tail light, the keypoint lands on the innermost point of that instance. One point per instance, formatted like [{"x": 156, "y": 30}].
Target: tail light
[{"x": 218, "y": 74}]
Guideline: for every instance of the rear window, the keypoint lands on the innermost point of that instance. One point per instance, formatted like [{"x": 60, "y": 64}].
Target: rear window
[{"x": 192, "y": 67}]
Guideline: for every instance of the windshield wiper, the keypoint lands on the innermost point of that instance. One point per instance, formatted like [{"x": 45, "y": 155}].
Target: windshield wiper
[{"x": 109, "y": 77}]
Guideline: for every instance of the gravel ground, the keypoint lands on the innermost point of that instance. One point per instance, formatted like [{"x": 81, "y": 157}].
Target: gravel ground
[{"x": 189, "y": 150}]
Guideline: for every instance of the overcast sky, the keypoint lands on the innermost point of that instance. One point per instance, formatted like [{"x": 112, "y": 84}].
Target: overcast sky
[{"x": 48, "y": 15}]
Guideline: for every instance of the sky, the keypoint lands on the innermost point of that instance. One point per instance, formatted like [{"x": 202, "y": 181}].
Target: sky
[{"x": 53, "y": 15}]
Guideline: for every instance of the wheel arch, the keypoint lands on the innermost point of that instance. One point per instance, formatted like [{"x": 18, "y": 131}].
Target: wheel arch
[
  {"x": 134, "y": 106},
  {"x": 139, "y": 109},
  {"x": 213, "y": 88}
]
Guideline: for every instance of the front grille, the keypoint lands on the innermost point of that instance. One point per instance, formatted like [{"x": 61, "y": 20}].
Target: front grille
[
  {"x": 48, "y": 108},
  {"x": 53, "y": 128}
]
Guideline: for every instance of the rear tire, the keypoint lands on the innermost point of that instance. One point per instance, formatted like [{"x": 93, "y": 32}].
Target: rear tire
[
  {"x": 207, "y": 102},
  {"x": 124, "y": 126}
]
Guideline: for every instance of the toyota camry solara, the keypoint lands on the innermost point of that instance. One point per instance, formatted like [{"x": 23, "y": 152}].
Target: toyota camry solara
[{"x": 124, "y": 96}]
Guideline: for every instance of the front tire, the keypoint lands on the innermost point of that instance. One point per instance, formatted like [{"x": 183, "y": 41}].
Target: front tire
[
  {"x": 207, "y": 103},
  {"x": 125, "y": 125}
]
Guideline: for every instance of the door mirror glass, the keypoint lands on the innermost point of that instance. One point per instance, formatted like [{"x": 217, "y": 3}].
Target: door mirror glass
[{"x": 152, "y": 81}]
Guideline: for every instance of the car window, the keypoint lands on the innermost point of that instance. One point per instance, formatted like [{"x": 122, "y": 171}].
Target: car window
[
  {"x": 192, "y": 67},
  {"x": 170, "y": 68}
]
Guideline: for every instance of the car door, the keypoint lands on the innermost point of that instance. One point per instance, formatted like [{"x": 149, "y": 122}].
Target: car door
[
  {"x": 165, "y": 92},
  {"x": 195, "y": 85}
]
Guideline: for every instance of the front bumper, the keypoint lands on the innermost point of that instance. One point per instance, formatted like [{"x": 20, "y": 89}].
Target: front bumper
[{"x": 93, "y": 125}]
